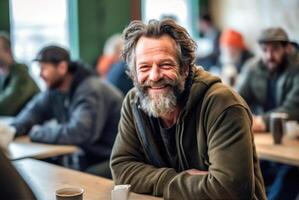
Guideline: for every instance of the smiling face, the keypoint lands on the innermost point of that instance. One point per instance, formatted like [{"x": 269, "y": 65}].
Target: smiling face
[{"x": 158, "y": 77}]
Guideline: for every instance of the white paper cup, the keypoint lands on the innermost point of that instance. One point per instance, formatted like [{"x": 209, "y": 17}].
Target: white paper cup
[
  {"x": 7, "y": 134},
  {"x": 292, "y": 129},
  {"x": 120, "y": 192}
]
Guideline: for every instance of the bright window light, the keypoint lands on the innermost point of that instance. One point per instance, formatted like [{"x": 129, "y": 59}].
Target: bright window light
[{"x": 35, "y": 24}]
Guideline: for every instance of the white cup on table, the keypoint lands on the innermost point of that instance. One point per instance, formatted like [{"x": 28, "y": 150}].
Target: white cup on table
[{"x": 7, "y": 134}]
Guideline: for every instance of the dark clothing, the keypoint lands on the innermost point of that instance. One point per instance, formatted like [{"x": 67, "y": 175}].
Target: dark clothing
[
  {"x": 210, "y": 60},
  {"x": 12, "y": 185},
  {"x": 212, "y": 133},
  {"x": 168, "y": 139},
  {"x": 87, "y": 115},
  {"x": 271, "y": 93},
  {"x": 267, "y": 92},
  {"x": 16, "y": 89},
  {"x": 118, "y": 77},
  {"x": 246, "y": 55},
  {"x": 253, "y": 87}
]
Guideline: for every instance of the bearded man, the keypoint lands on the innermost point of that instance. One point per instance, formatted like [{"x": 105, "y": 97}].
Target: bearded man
[
  {"x": 270, "y": 84},
  {"x": 182, "y": 133},
  {"x": 85, "y": 109}
]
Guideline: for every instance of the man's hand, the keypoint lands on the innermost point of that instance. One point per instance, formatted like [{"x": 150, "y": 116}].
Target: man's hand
[
  {"x": 258, "y": 124},
  {"x": 196, "y": 172}
]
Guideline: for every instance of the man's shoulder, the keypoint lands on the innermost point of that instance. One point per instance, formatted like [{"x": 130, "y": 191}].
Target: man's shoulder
[
  {"x": 254, "y": 64},
  {"x": 95, "y": 85}
]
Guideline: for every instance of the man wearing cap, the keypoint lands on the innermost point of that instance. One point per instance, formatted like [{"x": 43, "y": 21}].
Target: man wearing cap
[
  {"x": 86, "y": 109},
  {"x": 16, "y": 85},
  {"x": 271, "y": 84}
]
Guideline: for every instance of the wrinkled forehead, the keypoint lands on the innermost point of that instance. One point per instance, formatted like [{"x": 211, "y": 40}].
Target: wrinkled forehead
[{"x": 156, "y": 45}]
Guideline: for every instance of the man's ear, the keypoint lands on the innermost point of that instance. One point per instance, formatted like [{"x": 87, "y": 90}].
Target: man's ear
[{"x": 62, "y": 67}]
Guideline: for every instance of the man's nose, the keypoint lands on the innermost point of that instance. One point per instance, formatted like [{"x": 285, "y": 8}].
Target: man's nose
[
  {"x": 155, "y": 73},
  {"x": 269, "y": 55}
]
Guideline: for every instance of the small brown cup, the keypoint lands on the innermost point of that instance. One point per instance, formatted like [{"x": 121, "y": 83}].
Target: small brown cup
[{"x": 74, "y": 193}]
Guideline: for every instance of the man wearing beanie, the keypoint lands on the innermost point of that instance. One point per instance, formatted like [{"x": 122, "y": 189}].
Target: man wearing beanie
[{"x": 233, "y": 50}]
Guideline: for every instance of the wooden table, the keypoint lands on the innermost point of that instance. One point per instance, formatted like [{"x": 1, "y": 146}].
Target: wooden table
[
  {"x": 22, "y": 147},
  {"x": 47, "y": 178},
  {"x": 287, "y": 152}
]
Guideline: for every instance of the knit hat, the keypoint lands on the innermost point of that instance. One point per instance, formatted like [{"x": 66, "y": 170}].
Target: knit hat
[
  {"x": 274, "y": 34},
  {"x": 233, "y": 38}
]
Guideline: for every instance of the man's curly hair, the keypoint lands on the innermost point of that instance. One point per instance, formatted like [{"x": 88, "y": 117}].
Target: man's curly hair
[{"x": 186, "y": 47}]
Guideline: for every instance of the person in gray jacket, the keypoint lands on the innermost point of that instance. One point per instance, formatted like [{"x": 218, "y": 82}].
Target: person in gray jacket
[
  {"x": 269, "y": 85},
  {"x": 86, "y": 109}
]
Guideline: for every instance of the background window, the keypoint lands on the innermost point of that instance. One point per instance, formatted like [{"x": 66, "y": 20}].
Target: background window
[{"x": 34, "y": 24}]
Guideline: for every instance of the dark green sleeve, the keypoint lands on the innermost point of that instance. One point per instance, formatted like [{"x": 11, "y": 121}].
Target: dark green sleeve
[
  {"x": 231, "y": 157},
  {"x": 20, "y": 89}
]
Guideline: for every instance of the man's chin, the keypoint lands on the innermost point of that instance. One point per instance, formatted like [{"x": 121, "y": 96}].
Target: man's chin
[{"x": 272, "y": 66}]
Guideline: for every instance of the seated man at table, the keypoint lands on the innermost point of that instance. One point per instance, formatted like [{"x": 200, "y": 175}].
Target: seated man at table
[
  {"x": 271, "y": 84},
  {"x": 182, "y": 133},
  {"x": 86, "y": 109},
  {"x": 16, "y": 85}
]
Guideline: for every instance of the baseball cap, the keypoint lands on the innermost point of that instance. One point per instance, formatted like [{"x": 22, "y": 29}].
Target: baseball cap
[
  {"x": 53, "y": 54},
  {"x": 274, "y": 34}
]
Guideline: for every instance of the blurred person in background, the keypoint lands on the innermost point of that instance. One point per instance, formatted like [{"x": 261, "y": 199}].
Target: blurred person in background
[
  {"x": 117, "y": 74},
  {"x": 111, "y": 55},
  {"x": 233, "y": 55},
  {"x": 119, "y": 77},
  {"x": 208, "y": 43},
  {"x": 181, "y": 130},
  {"x": 16, "y": 85},
  {"x": 78, "y": 108},
  {"x": 271, "y": 84}
]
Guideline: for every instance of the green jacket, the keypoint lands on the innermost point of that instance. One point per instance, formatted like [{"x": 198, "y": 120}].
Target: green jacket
[
  {"x": 253, "y": 88},
  {"x": 213, "y": 133},
  {"x": 16, "y": 89}
]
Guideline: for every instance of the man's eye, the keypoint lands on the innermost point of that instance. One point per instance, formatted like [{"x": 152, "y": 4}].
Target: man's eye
[
  {"x": 143, "y": 68},
  {"x": 167, "y": 65}
]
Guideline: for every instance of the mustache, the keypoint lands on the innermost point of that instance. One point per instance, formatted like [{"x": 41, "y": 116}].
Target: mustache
[{"x": 160, "y": 83}]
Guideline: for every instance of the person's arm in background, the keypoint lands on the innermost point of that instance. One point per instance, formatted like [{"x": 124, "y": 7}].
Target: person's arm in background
[
  {"x": 86, "y": 121},
  {"x": 20, "y": 89},
  {"x": 291, "y": 103},
  {"x": 35, "y": 112},
  {"x": 243, "y": 85},
  {"x": 244, "y": 89},
  {"x": 230, "y": 151}
]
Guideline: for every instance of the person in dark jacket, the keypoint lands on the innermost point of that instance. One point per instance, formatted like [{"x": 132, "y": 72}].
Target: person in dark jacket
[
  {"x": 270, "y": 84},
  {"x": 182, "y": 133},
  {"x": 85, "y": 110},
  {"x": 16, "y": 85},
  {"x": 118, "y": 77}
]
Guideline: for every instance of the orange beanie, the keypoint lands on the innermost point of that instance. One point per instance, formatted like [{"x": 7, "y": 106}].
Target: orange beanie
[{"x": 233, "y": 38}]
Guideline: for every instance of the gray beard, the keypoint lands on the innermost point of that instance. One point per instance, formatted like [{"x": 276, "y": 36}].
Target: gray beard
[
  {"x": 158, "y": 105},
  {"x": 162, "y": 103}
]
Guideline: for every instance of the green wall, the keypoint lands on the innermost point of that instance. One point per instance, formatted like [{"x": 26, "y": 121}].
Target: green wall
[
  {"x": 4, "y": 15},
  {"x": 97, "y": 21}
]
